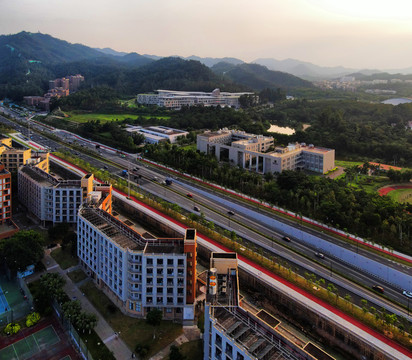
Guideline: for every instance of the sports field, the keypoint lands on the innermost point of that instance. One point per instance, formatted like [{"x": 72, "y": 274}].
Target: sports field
[{"x": 30, "y": 345}]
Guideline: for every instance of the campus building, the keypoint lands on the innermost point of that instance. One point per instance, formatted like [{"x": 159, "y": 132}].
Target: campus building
[
  {"x": 7, "y": 226},
  {"x": 236, "y": 333},
  {"x": 257, "y": 152},
  {"x": 156, "y": 134},
  {"x": 53, "y": 200},
  {"x": 13, "y": 155},
  {"x": 136, "y": 272},
  {"x": 173, "y": 99}
]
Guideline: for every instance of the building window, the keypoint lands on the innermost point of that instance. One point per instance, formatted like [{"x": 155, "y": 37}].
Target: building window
[{"x": 130, "y": 305}]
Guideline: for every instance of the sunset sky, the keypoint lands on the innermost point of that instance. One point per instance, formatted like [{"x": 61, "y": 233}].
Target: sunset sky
[{"x": 359, "y": 34}]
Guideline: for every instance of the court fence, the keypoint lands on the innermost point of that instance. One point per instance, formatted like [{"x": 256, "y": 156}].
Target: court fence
[
  {"x": 18, "y": 311},
  {"x": 71, "y": 331}
]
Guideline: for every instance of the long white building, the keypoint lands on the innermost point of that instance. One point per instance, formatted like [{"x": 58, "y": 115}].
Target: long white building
[
  {"x": 156, "y": 134},
  {"x": 137, "y": 273},
  {"x": 173, "y": 99}
]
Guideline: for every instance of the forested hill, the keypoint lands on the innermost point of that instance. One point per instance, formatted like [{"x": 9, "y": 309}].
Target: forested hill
[
  {"x": 29, "y": 60},
  {"x": 259, "y": 77}
]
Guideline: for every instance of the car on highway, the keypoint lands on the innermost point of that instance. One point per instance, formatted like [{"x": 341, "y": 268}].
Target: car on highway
[
  {"x": 320, "y": 255},
  {"x": 378, "y": 288},
  {"x": 231, "y": 213},
  {"x": 196, "y": 208},
  {"x": 407, "y": 293},
  {"x": 286, "y": 238},
  {"x": 189, "y": 195},
  {"x": 105, "y": 167}
]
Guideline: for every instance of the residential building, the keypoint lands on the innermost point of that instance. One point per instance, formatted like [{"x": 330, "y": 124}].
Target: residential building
[
  {"x": 57, "y": 88},
  {"x": 173, "y": 99},
  {"x": 256, "y": 153},
  {"x": 53, "y": 200},
  {"x": 138, "y": 273},
  {"x": 13, "y": 155},
  {"x": 156, "y": 134},
  {"x": 7, "y": 226},
  {"x": 234, "y": 332}
]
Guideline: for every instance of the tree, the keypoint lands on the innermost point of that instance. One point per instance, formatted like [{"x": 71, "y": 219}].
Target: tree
[
  {"x": 32, "y": 319},
  {"x": 72, "y": 310},
  {"x": 175, "y": 353},
  {"x": 52, "y": 283},
  {"x": 142, "y": 350},
  {"x": 85, "y": 321},
  {"x": 154, "y": 317},
  {"x": 22, "y": 249}
]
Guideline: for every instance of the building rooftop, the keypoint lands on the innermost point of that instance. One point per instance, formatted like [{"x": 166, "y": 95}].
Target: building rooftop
[
  {"x": 125, "y": 236},
  {"x": 39, "y": 176},
  {"x": 257, "y": 337}
]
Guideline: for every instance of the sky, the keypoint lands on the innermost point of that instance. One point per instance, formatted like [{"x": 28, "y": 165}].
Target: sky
[{"x": 372, "y": 34}]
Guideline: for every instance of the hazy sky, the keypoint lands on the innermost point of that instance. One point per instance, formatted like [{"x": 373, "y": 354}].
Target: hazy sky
[{"x": 352, "y": 33}]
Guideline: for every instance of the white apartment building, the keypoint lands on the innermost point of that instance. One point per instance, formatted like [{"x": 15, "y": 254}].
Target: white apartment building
[
  {"x": 137, "y": 273},
  {"x": 254, "y": 152},
  {"x": 234, "y": 333},
  {"x": 156, "y": 134},
  {"x": 53, "y": 200},
  {"x": 176, "y": 99}
]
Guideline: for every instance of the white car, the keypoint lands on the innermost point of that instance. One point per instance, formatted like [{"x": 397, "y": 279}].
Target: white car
[{"x": 407, "y": 293}]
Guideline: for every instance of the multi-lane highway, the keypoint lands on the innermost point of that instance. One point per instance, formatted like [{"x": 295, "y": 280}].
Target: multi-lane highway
[{"x": 297, "y": 255}]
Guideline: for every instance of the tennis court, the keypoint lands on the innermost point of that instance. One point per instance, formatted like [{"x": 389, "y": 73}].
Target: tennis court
[
  {"x": 15, "y": 302},
  {"x": 30, "y": 345},
  {"x": 4, "y": 305}
]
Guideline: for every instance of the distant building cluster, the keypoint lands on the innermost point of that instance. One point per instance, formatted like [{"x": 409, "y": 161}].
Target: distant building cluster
[
  {"x": 157, "y": 134},
  {"x": 174, "y": 100},
  {"x": 57, "y": 88},
  {"x": 349, "y": 83},
  {"x": 254, "y": 152}
]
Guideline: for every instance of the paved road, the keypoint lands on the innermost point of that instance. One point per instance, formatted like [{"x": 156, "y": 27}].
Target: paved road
[{"x": 103, "y": 329}]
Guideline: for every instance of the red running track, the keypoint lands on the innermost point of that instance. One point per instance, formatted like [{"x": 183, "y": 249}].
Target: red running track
[{"x": 292, "y": 286}]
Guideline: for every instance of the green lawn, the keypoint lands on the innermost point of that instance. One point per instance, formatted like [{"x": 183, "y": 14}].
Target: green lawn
[
  {"x": 192, "y": 350},
  {"x": 96, "y": 346},
  {"x": 64, "y": 257},
  {"x": 82, "y": 118},
  {"x": 132, "y": 330},
  {"x": 77, "y": 275},
  {"x": 347, "y": 164},
  {"x": 401, "y": 195}
]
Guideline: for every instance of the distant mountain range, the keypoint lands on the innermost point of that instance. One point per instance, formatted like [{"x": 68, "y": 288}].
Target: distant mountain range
[
  {"x": 303, "y": 69},
  {"x": 29, "y": 60},
  {"x": 258, "y": 77}
]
